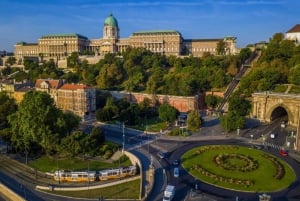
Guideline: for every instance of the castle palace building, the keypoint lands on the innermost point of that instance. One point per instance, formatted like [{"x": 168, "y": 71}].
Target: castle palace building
[{"x": 167, "y": 42}]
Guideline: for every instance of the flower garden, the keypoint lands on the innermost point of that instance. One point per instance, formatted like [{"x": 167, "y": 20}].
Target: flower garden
[{"x": 238, "y": 168}]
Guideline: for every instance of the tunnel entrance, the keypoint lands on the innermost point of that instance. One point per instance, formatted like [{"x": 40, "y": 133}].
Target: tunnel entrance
[{"x": 279, "y": 113}]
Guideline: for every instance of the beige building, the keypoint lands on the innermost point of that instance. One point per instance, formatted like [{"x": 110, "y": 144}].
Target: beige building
[
  {"x": 77, "y": 98},
  {"x": 167, "y": 42}
]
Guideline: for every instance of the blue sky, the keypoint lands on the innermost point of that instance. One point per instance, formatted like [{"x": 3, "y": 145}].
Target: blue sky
[{"x": 250, "y": 21}]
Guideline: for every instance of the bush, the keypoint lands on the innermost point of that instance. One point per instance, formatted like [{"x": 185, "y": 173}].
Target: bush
[{"x": 108, "y": 154}]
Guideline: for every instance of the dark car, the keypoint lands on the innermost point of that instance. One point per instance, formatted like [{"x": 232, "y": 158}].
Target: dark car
[
  {"x": 176, "y": 162},
  {"x": 255, "y": 146}
]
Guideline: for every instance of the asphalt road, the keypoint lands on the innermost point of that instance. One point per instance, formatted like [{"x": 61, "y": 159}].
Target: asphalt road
[{"x": 146, "y": 148}]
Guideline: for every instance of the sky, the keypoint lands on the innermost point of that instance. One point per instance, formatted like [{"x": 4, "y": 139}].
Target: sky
[{"x": 251, "y": 21}]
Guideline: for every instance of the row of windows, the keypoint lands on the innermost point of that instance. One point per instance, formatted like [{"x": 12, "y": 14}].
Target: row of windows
[
  {"x": 162, "y": 49},
  {"x": 204, "y": 49},
  {"x": 57, "y": 41},
  {"x": 27, "y": 52}
]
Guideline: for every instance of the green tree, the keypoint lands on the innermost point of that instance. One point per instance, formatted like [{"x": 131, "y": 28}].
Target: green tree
[
  {"x": 94, "y": 140},
  {"x": 37, "y": 121},
  {"x": 109, "y": 76},
  {"x": 145, "y": 108},
  {"x": 294, "y": 75},
  {"x": 167, "y": 113},
  {"x": 104, "y": 114},
  {"x": 244, "y": 54},
  {"x": 30, "y": 64},
  {"x": 221, "y": 47},
  {"x": 74, "y": 144},
  {"x": 10, "y": 61},
  {"x": 212, "y": 101},
  {"x": 232, "y": 121},
  {"x": 71, "y": 121},
  {"x": 218, "y": 78},
  {"x": 130, "y": 115},
  {"x": 7, "y": 107},
  {"x": 73, "y": 60},
  {"x": 239, "y": 105},
  {"x": 193, "y": 120}
]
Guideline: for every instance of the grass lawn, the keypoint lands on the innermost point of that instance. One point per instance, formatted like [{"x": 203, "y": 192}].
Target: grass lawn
[
  {"x": 46, "y": 164},
  {"x": 262, "y": 175},
  {"x": 295, "y": 89},
  {"x": 153, "y": 125},
  {"x": 280, "y": 88},
  {"x": 129, "y": 190}
]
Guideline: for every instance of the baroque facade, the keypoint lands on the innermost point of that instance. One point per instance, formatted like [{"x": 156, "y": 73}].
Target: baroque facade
[{"x": 168, "y": 42}]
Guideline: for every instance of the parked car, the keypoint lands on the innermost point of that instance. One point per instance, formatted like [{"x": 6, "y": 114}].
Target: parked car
[
  {"x": 283, "y": 152},
  {"x": 176, "y": 172}
]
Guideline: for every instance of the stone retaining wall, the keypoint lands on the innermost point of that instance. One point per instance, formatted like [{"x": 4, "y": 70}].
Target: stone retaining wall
[{"x": 8, "y": 194}]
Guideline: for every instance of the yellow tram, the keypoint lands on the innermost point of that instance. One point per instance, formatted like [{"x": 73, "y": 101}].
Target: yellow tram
[{"x": 86, "y": 176}]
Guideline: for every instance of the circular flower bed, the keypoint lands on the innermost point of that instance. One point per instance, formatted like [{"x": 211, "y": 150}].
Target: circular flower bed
[
  {"x": 238, "y": 168},
  {"x": 223, "y": 160}
]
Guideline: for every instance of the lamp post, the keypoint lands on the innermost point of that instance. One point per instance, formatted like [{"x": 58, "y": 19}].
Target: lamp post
[
  {"x": 58, "y": 172},
  {"x": 123, "y": 138}
]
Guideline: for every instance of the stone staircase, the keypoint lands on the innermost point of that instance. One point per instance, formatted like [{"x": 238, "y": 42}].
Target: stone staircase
[{"x": 235, "y": 81}]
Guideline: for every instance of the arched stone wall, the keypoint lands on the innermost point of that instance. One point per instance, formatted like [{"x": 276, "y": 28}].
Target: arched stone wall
[{"x": 264, "y": 103}]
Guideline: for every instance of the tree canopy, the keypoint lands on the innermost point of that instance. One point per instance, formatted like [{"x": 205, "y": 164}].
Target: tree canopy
[{"x": 38, "y": 122}]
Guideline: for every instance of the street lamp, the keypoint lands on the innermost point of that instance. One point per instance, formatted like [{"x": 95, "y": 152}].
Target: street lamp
[
  {"x": 58, "y": 172},
  {"x": 123, "y": 138}
]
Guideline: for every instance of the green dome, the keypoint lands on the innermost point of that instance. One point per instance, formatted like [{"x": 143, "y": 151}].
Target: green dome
[{"x": 111, "y": 21}]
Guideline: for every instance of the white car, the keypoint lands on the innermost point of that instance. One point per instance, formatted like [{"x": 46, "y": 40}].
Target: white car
[
  {"x": 283, "y": 125},
  {"x": 272, "y": 135}
]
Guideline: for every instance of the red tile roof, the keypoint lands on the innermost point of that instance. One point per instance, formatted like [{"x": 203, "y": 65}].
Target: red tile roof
[
  {"x": 295, "y": 29},
  {"x": 75, "y": 86},
  {"x": 54, "y": 84}
]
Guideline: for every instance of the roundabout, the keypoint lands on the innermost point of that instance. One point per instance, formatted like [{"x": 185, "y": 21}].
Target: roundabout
[{"x": 238, "y": 168}]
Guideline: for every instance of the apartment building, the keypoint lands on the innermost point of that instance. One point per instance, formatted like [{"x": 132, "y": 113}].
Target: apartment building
[{"x": 77, "y": 98}]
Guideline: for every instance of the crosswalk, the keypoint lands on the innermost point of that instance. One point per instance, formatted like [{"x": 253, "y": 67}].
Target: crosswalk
[{"x": 274, "y": 146}]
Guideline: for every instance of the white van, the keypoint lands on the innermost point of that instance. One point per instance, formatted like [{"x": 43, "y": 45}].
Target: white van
[{"x": 283, "y": 125}]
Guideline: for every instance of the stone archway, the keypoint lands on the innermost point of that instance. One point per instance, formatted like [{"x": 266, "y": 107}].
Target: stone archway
[
  {"x": 267, "y": 106},
  {"x": 279, "y": 110}
]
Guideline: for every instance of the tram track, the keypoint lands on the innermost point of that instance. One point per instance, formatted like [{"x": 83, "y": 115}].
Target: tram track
[{"x": 23, "y": 173}]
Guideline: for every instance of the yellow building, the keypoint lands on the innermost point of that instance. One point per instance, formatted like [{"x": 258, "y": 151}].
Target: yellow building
[{"x": 167, "y": 42}]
